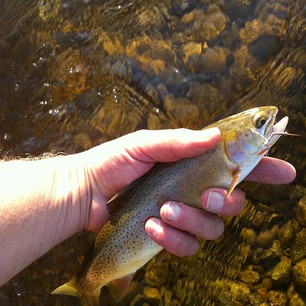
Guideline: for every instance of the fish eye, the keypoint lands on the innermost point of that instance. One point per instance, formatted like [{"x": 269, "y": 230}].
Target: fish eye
[{"x": 259, "y": 121}]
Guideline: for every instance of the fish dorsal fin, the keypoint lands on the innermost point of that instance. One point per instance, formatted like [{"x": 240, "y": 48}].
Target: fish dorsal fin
[
  {"x": 119, "y": 287},
  {"x": 235, "y": 180},
  {"x": 66, "y": 289}
]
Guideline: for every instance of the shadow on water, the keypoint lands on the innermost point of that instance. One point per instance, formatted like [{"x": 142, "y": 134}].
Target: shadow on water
[{"x": 74, "y": 74}]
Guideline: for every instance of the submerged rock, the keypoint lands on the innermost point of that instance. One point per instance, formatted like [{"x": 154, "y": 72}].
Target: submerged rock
[
  {"x": 301, "y": 211},
  {"x": 272, "y": 254},
  {"x": 266, "y": 238},
  {"x": 281, "y": 272},
  {"x": 298, "y": 247},
  {"x": 249, "y": 276},
  {"x": 299, "y": 276},
  {"x": 277, "y": 298},
  {"x": 74, "y": 74},
  {"x": 288, "y": 233},
  {"x": 297, "y": 300},
  {"x": 152, "y": 293}
]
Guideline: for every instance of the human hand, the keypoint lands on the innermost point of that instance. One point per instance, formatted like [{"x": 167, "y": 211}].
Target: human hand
[{"x": 112, "y": 166}]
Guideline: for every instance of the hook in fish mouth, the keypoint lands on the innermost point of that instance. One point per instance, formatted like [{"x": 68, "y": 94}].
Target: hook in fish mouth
[{"x": 278, "y": 130}]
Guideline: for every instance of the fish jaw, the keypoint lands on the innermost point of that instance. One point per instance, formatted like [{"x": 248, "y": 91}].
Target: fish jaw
[{"x": 281, "y": 125}]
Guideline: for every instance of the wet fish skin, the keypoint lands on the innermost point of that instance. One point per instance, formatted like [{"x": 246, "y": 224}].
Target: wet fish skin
[{"x": 122, "y": 246}]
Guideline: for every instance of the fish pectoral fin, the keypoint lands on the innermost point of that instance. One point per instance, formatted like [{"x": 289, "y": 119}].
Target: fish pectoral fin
[
  {"x": 66, "y": 289},
  {"x": 161, "y": 256},
  {"x": 119, "y": 287},
  {"x": 236, "y": 176}
]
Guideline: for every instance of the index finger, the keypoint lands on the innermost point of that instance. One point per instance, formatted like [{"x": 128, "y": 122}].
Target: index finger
[
  {"x": 272, "y": 171},
  {"x": 168, "y": 145}
]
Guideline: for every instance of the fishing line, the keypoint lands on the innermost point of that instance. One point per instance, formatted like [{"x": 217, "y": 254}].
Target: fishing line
[{"x": 279, "y": 133}]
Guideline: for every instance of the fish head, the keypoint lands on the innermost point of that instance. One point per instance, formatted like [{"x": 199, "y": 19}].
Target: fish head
[{"x": 248, "y": 136}]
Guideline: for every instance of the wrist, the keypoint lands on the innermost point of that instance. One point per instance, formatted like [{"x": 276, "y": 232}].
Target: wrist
[
  {"x": 93, "y": 199},
  {"x": 71, "y": 192}
]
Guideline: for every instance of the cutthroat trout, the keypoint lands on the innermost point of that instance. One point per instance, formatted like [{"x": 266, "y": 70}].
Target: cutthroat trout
[{"x": 122, "y": 246}]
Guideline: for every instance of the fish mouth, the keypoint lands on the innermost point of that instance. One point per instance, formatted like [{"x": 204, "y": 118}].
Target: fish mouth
[
  {"x": 281, "y": 125},
  {"x": 278, "y": 129}
]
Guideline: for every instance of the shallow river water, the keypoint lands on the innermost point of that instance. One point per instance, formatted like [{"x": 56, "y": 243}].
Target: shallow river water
[{"x": 77, "y": 73}]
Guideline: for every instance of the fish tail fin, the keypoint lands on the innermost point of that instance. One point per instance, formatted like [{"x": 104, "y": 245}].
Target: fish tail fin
[
  {"x": 71, "y": 288},
  {"x": 67, "y": 289}
]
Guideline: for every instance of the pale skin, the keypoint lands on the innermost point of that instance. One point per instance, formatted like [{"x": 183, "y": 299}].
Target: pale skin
[{"x": 43, "y": 202}]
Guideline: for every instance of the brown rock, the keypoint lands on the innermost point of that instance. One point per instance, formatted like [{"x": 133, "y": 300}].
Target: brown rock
[
  {"x": 299, "y": 275},
  {"x": 205, "y": 24},
  {"x": 274, "y": 25},
  {"x": 277, "y": 298},
  {"x": 296, "y": 300},
  {"x": 301, "y": 211},
  {"x": 281, "y": 272},
  {"x": 151, "y": 293},
  {"x": 248, "y": 235},
  {"x": 191, "y": 55},
  {"x": 191, "y": 49},
  {"x": 239, "y": 291},
  {"x": 214, "y": 60},
  {"x": 298, "y": 247},
  {"x": 249, "y": 276},
  {"x": 181, "y": 109},
  {"x": 287, "y": 233},
  {"x": 252, "y": 31},
  {"x": 272, "y": 254},
  {"x": 265, "y": 239}
]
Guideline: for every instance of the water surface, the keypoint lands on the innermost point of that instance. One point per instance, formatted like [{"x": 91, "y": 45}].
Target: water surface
[{"x": 74, "y": 74}]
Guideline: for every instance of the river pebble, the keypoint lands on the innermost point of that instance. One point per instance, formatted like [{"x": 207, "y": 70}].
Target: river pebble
[
  {"x": 265, "y": 238},
  {"x": 213, "y": 60},
  {"x": 301, "y": 211},
  {"x": 249, "y": 276},
  {"x": 281, "y": 272},
  {"x": 205, "y": 24},
  {"x": 272, "y": 254},
  {"x": 299, "y": 276},
  {"x": 181, "y": 109},
  {"x": 298, "y": 247},
  {"x": 151, "y": 293},
  {"x": 288, "y": 232},
  {"x": 297, "y": 300},
  {"x": 277, "y": 298}
]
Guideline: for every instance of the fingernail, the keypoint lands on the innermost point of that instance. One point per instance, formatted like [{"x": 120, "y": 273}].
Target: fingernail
[
  {"x": 153, "y": 227},
  {"x": 215, "y": 201},
  {"x": 171, "y": 211}
]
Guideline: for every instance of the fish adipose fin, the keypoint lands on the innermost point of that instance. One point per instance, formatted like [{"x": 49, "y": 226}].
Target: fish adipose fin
[
  {"x": 119, "y": 287},
  {"x": 236, "y": 176}
]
